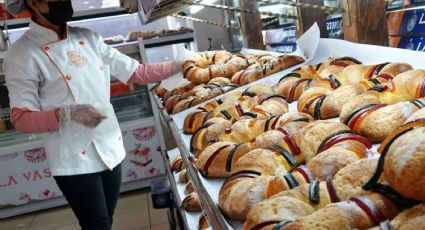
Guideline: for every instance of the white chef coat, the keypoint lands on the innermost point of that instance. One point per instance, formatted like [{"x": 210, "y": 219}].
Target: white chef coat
[{"x": 44, "y": 73}]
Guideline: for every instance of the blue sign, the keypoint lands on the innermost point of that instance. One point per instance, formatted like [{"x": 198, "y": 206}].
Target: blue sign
[
  {"x": 334, "y": 27},
  {"x": 411, "y": 43},
  {"x": 407, "y": 22}
]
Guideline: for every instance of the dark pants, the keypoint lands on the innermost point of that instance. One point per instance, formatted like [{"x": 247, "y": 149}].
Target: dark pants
[{"x": 92, "y": 197}]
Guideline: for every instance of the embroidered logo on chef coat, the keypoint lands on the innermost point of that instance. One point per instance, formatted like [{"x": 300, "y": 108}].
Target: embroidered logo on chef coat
[{"x": 76, "y": 59}]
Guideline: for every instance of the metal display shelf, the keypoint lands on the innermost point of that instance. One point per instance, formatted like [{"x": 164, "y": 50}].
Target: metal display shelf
[
  {"x": 160, "y": 41},
  {"x": 190, "y": 218},
  {"x": 212, "y": 213}
]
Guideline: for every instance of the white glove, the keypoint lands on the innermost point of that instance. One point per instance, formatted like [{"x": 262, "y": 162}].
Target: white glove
[
  {"x": 176, "y": 67},
  {"x": 84, "y": 114}
]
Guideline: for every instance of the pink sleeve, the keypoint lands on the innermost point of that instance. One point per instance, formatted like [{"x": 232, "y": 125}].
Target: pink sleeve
[
  {"x": 26, "y": 121},
  {"x": 151, "y": 73}
]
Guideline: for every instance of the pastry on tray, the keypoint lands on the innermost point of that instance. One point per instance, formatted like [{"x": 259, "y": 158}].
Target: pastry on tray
[
  {"x": 263, "y": 68},
  {"x": 203, "y": 68},
  {"x": 141, "y": 34},
  {"x": 183, "y": 176},
  {"x": 256, "y": 102},
  {"x": 191, "y": 95},
  {"x": 291, "y": 170},
  {"x": 308, "y": 198},
  {"x": 189, "y": 188},
  {"x": 191, "y": 203},
  {"x": 401, "y": 160},
  {"x": 412, "y": 218},
  {"x": 113, "y": 39},
  {"x": 360, "y": 212},
  {"x": 211, "y": 64},
  {"x": 265, "y": 172},
  {"x": 203, "y": 222},
  {"x": 177, "y": 164},
  {"x": 170, "y": 32}
]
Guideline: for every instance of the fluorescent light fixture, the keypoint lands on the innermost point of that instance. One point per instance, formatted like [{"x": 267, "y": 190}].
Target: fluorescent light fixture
[{"x": 195, "y": 9}]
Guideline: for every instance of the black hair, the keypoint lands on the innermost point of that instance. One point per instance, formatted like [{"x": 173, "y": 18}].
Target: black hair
[{"x": 28, "y": 6}]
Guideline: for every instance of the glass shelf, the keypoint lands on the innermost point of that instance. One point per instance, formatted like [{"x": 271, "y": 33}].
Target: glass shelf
[
  {"x": 12, "y": 137},
  {"x": 133, "y": 105},
  {"x": 130, "y": 106}
]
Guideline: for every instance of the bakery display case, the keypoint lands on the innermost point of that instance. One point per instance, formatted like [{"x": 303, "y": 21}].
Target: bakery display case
[
  {"x": 234, "y": 192},
  {"x": 249, "y": 173}
]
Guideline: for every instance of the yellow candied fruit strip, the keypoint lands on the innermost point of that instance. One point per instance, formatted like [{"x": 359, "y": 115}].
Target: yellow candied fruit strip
[{"x": 396, "y": 133}]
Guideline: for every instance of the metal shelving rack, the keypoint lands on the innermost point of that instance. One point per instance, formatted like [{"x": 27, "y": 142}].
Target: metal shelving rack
[
  {"x": 211, "y": 210},
  {"x": 162, "y": 118}
]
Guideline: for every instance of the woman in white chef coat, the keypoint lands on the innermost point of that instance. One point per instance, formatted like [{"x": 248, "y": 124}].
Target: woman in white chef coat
[{"x": 58, "y": 78}]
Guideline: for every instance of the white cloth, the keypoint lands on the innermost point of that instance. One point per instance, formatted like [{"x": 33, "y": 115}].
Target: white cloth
[{"x": 43, "y": 73}]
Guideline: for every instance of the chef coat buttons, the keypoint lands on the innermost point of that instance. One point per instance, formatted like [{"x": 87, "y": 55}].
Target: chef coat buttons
[
  {"x": 101, "y": 68},
  {"x": 82, "y": 43},
  {"x": 46, "y": 48},
  {"x": 84, "y": 152},
  {"x": 68, "y": 77}
]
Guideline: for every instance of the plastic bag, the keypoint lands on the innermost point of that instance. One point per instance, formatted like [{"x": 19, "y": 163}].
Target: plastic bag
[
  {"x": 181, "y": 54},
  {"x": 74, "y": 136}
]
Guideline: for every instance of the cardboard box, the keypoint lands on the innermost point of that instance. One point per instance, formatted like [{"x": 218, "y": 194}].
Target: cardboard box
[
  {"x": 334, "y": 27},
  {"x": 411, "y": 43},
  {"x": 406, "y": 22}
]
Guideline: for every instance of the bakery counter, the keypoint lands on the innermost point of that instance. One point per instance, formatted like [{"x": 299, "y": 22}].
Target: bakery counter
[{"x": 208, "y": 188}]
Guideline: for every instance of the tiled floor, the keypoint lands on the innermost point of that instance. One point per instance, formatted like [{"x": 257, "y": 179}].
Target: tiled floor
[{"x": 134, "y": 212}]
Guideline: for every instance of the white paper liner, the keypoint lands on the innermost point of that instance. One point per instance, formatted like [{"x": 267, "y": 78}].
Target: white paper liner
[{"x": 308, "y": 42}]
